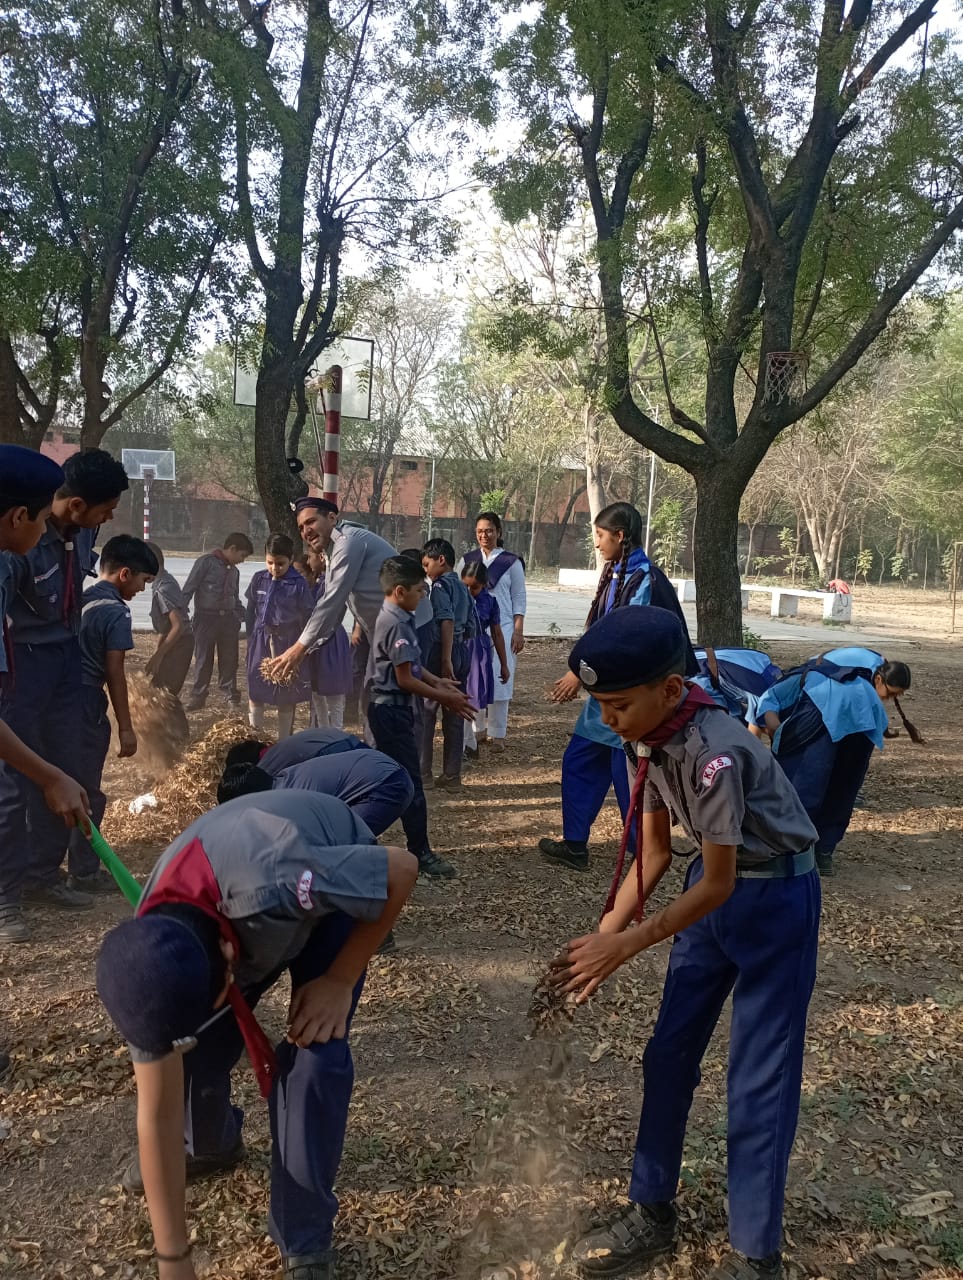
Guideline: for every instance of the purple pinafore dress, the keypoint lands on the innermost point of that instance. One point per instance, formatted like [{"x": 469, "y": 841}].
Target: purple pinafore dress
[
  {"x": 276, "y": 614},
  {"x": 331, "y": 664},
  {"x": 480, "y": 682}
]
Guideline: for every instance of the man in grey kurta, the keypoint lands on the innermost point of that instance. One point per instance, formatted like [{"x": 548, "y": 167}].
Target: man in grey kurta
[{"x": 355, "y": 556}]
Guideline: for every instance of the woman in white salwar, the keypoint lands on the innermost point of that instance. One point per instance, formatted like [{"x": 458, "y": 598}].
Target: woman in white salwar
[{"x": 506, "y": 582}]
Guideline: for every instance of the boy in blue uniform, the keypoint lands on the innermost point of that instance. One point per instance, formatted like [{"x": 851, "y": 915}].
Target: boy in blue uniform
[
  {"x": 214, "y": 584},
  {"x": 282, "y": 882},
  {"x": 448, "y": 658},
  {"x": 126, "y": 567},
  {"x": 306, "y": 744},
  {"x": 371, "y": 784},
  {"x": 169, "y": 616},
  {"x": 746, "y": 924},
  {"x": 43, "y": 706},
  {"x": 28, "y": 482},
  {"x": 395, "y": 678}
]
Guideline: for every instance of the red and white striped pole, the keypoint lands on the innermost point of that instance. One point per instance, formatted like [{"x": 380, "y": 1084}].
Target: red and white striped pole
[
  {"x": 148, "y": 477},
  {"x": 332, "y": 434}
]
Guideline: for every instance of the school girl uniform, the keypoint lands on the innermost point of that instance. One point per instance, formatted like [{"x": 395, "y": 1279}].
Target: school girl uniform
[
  {"x": 831, "y": 718},
  {"x": 42, "y": 704},
  {"x": 214, "y": 584},
  {"x": 450, "y": 601},
  {"x": 277, "y": 609},
  {"x": 375, "y": 787},
  {"x": 480, "y": 681},
  {"x": 594, "y": 759},
  {"x": 105, "y": 625},
  {"x": 735, "y": 679},
  {"x": 722, "y": 785},
  {"x": 289, "y": 873},
  {"x": 167, "y": 598},
  {"x": 506, "y": 582},
  {"x": 331, "y": 673}
]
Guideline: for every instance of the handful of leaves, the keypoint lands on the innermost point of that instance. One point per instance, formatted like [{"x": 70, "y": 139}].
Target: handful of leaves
[{"x": 268, "y": 671}]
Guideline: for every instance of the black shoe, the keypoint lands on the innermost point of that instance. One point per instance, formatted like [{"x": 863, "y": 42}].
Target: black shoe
[
  {"x": 635, "y": 1238},
  {"x": 824, "y": 864},
  {"x": 310, "y": 1266},
  {"x": 4, "y": 1064},
  {"x": 388, "y": 945},
  {"x": 198, "y": 1167},
  {"x": 98, "y": 883},
  {"x": 13, "y": 927},
  {"x": 471, "y": 756},
  {"x": 430, "y": 864},
  {"x": 736, "y": 1266},
  {"x": 448, "y": 782},
  {"x": 58, "y": 896},
  {"x": 427, "y": 782},
  {"x": 567, "y": 854}
]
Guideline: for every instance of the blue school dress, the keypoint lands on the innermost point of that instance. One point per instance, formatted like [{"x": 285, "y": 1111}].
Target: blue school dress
[
  {"x": 276, "y": 614},
  {"x": 480, "y": 683},
  {"x": 742, "y": 677},
  {"x": 330, "y": 665}
]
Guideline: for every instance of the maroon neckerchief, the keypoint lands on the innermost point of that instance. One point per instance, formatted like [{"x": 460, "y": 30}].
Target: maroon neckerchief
[
  {"x": 695, "y": 699},
  {"x": 189, "y": 878}
]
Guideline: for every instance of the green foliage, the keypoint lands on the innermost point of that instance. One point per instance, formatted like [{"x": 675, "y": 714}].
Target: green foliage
[
  {"x": 750, "y": 640},
  {"x": 213, "y": 437},
  {"x": 863, "y": 565},
  {"x": 494, "y": 500},
  {"x": 669, "y": 535}
]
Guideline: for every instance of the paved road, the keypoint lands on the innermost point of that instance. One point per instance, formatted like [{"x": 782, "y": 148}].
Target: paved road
[{"x": 562, "y": 610}]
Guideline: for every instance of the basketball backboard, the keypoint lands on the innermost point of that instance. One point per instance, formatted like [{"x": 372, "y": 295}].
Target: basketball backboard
[
  {"x": 354, "y": 355},
  {"x": 148, "y": 464}
]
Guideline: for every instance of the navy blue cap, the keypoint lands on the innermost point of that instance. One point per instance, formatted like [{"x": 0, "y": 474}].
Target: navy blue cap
[
  {"x": 154, "y": 977},
  {"x": 322, "y": 504},
  {"x": 628, "y": 647},
  {"x": 27, "y": 477}
]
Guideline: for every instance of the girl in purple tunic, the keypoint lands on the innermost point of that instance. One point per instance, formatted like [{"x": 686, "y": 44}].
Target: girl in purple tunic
[
  {"x": 331, "y": 670},
  {"x": 279, "y": 603},
  {"x": 480, "y": 682}
]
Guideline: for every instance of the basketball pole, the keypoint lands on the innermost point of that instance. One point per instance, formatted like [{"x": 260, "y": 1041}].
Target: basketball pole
[
  {"x": 148, "y": 477},
  {"x": 332, "y": 435}
]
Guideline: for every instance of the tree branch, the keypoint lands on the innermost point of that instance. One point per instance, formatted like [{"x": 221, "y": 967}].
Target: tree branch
[{"x": 912, "y": 23}]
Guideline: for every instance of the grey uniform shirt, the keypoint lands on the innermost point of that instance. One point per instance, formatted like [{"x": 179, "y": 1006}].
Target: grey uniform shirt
[
  {"x": 355, "y": 557},
  {"x": 167, "y": 597},
  {"x": 105, "y": 624},
  {"x": 394, "y": 643},
  {"x": 352, "y": 776},
  {"x": 36, "y": 610},
  {"x": 214, "y": 585},
  {"x": 450, "y": 601},
  {"x": 723, "y": 785},
  {"x": 309, "y": 744}
]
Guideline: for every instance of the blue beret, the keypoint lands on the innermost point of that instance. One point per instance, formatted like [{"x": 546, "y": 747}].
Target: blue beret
[
  {"x": 322, "y": 504},
  {"x": 27, "y": 477},
  {"x": 154, "y": 977},
  {"x": 628, "y": 647}
]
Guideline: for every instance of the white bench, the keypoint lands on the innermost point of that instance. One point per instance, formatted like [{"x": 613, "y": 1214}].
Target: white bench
[{"x": 837, "y": 607}]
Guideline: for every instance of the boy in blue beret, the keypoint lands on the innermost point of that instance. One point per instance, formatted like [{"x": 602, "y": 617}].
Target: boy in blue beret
[
  {"x": 43, "y": 705},
  {"x": 746, "y": 924},
  {"x": 283, "y": 882},
  {"x": 28, "y": 482}
]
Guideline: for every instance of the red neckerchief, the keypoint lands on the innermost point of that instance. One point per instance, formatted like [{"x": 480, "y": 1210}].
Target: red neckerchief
[
  {"x": 189, "y": 878},
  {"x": 695, "y": 699}
]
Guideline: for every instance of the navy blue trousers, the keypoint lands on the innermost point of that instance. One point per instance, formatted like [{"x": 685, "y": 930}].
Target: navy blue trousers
[
  {"x": 761, "y": 946},
  {"x": 452, "y": 725},
  {"x": 94, "y": 739},
  {"x": 588, "y": 770},
  {"x": 827, "y": 775},
  {"x": 308, "y": 1106},
  {"x": 215, "y": 633},
  {"x": 44, "y": 710},
  {"x": 387, "y": 803},
  {"x": 393, "y": 729}
]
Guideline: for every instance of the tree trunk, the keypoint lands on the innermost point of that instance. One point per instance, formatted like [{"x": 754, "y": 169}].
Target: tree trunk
[
  {"x": 275, "y": 483},
  {"x": 716, "y": 558}
]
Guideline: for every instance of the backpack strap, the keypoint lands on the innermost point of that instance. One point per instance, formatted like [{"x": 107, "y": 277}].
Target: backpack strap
[{"x": 712, "y": 663}]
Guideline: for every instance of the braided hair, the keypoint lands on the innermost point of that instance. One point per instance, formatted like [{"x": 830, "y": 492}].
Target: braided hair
[
  {"x": 618, "y": 517},
  {"x": 898, "y": 676}
]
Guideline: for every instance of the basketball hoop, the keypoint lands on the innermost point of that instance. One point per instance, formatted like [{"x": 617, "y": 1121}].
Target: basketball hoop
[{"x": 782, "y": 368}]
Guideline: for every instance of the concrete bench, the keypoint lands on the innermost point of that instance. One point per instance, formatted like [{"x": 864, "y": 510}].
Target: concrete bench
[{"x": 785, "y": 601}]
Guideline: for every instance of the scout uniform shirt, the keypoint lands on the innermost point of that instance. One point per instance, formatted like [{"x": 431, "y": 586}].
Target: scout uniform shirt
[
  {"x": 450, "y": 601},
  {"x": 282, "y": 861},
  {"x": 394, "y": 643},
  {"x": 352, "y": 776},
  {"x": 44, "y": 609},
  {"x": 308, "y": 744},
  {"x": 105, "y": 624},
  {"x": 167, "y": 597},
  {"x": 215, "y": 586},
  {"x": 353, "y": 577},
  {"x": 721, "y": 784}
]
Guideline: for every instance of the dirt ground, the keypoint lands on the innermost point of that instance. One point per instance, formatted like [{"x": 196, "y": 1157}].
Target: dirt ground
[{"x": 466, "y": 1158}]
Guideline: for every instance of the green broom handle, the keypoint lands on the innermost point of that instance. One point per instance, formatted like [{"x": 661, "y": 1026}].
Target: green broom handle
[{"x": 129, "y": 887}]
